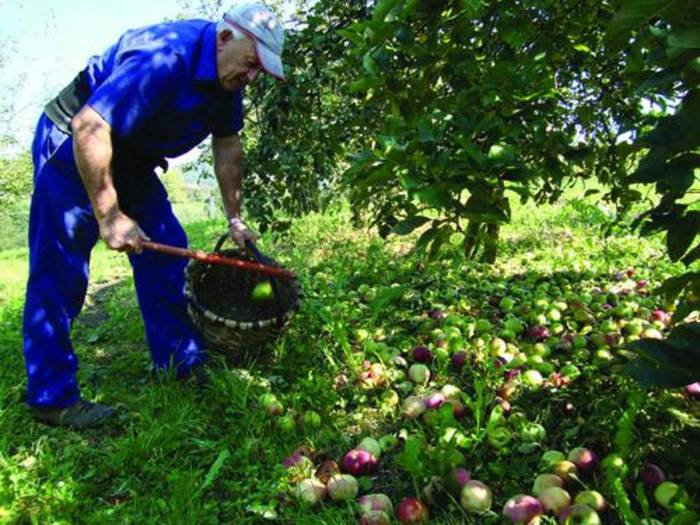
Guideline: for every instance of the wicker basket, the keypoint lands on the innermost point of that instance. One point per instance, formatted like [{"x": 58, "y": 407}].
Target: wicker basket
[{"x": 219, "y": 304}]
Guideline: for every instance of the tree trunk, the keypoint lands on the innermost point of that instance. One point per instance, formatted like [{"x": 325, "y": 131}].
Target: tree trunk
[
  {"x": 471, "y": 239},
  {"x": 491, "y": 243}
]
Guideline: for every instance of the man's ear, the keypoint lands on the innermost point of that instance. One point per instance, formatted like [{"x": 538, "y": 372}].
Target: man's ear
[{"x": 225, "y": 35}]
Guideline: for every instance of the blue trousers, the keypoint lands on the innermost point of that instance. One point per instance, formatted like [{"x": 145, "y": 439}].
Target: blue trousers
[{"x": 62, "y": 234}]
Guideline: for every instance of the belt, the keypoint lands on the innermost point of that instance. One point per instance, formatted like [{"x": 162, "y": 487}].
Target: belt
[
  {"x": 61, "y": 110},
  {"x": 68, "y": 102}
]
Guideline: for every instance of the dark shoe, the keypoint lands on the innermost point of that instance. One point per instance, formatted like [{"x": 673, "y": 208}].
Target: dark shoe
[
  {"x": 197, "y": 377},
  {"x": 81, "y": 414}
]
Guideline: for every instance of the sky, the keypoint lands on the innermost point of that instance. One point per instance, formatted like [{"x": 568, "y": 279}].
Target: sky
[{"x": 49, "y": 41}]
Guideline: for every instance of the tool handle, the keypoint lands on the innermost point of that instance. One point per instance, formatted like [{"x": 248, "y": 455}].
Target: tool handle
[{"x": 212, "y": 258}]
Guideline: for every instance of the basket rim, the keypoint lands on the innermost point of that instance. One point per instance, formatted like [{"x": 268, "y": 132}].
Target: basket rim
[{"x": 256, "y": 324}]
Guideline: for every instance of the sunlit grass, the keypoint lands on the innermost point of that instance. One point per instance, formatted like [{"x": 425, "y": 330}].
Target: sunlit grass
[{"x": 156, "y": 463}]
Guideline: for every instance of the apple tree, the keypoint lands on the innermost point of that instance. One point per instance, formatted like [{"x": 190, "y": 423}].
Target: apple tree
[
  {"x": 660, "y": 43},
  {"x": 474, "y": 101}
]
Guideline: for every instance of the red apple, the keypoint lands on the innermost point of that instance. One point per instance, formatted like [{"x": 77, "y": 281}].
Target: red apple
[{"x": 412, "y": 510}]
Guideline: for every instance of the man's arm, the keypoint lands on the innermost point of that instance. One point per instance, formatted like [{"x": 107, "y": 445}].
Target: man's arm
[
  {"x": 92, "y": 149},
  {"x": 228, "y": 167}
]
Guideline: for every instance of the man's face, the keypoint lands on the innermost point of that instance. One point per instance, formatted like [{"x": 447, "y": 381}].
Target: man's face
[{"x": 237, "y": 62}]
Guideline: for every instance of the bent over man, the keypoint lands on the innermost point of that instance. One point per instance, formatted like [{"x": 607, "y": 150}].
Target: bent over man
[{"x": 156, "y": 93}]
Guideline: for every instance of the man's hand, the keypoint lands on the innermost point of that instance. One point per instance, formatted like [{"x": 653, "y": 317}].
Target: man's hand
[
  {"x": 92, "y": 149},
  {"x": 240, "y": 233},
  {"x": 120, "y": 232}
]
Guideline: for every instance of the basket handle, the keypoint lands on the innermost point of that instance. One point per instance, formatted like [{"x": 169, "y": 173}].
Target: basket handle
[{"x": 259, "y": 257}]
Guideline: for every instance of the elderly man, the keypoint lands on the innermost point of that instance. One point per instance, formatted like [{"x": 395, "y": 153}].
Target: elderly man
[{"x": 158, "y": 92}]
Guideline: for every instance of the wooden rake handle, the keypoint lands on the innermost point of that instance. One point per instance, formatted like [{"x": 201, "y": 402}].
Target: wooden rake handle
[{"x": 213, "y": 258}]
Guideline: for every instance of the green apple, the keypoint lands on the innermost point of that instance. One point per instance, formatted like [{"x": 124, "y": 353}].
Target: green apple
[
  {"x": 556, "y": 328},
  {"x": 544, "y": 481},
  {"x": 506, "y": 304},
  {"x": 580, "y": 341},
  {"x": 262, "y": 292},
  {"x": 634, "y": 327},
  {"x": 312, "y": 420},
  {"x": 670, "y": 495},
  {"x": 540, "y": 349},
  {"x": 608, "y": 326},
  {"x": 483, "y": 326},
  {"x": 579, "y": 515},
  {"x": 651, "y": 333},
  {"x": 499, "y": 437},
  {"x": 570, "y": 371},
  {"x": 541, "y": 304},
  {"x": 286, "y": 423},
  {"x": 550, "y": 457},
  {"x": 591, "y": 498},
  {"x": 582, "y": 316},
  {"x": 615, "y": 465},
  {"x": 554, "y": 315},
  {"x": 497, "y": 346},
  {"x": 532, "y": 378},
  {"x": 533, "y": 433},
  {"x": 271, "y": 404},
  {"x": 419, "y": 373},
  {"x": 388, "y": 442},
  {"x": 565, "y": 469},
  {"x": 508, "y": 335},
  {"x": 514, "y": 325},
  {"x": 390, "y": 398},
  {"x": 602, "y": 357},
  {"x": 371, "y": 445},
  {"x": 519, "y": 360}
]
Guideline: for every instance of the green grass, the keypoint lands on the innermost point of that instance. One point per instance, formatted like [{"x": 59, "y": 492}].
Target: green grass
[{"x": 178, "y": 455}]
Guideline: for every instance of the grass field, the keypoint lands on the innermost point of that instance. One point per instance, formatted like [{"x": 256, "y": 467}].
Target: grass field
[{"x": 179, "y": 455}]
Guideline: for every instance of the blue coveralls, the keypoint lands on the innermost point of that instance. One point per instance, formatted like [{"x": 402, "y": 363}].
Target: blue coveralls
[{"x": 158, "y": 89}]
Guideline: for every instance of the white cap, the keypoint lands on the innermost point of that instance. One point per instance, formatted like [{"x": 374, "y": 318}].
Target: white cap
[{"x": 258, "y": 22}]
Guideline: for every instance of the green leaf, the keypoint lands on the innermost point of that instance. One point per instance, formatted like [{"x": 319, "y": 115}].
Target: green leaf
[
  {"x": 684, "y": 309},
  {"x": 640, "y": 492},
  {"x": 375, "y": 177},
  {"x": 435, "y": 197},
  {"x": 425, "y": 239},
  {"x": 681, "y": 235},
  {"x": 370, "y": 64},
  {"x": 501, "y": 152},
  {"x": 686, "y": 337},
  {"x": 661, "y": 364},
  {"x": 583, "y": 48},
  {"x": 578, "y": 154},
  {"x": 691, "y": 256},
  {"x": 409, "y": 224},
  {"x": 409, "y": 181},
  {"x": 651, "y": 168},
  {"x": 365, "y": 483},
  {"x": 632, "y": 15},
  {"x": 411, "y": 458},
  {"x": 364, "y": 83},
  {"x": 672, "y": 286},
  {"x": 679, "y": 132},
  {"x": 685, "y": 517},
  {"x": 382, "y": 8},
  {"x": 352, "y": 33},
  {"x": 442, "y": 237},
  {"x": 478, "y": 210},
  {"x": 680, "y": 41},
  {"x": 215, "y": 469},
  {"x": 410, "y": 6}
]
